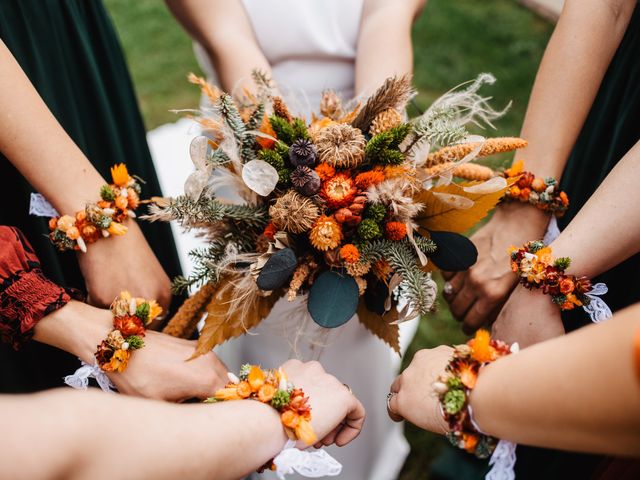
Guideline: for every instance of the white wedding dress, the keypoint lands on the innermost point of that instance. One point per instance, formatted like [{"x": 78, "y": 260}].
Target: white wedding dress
[{"x": 311, "y": 46}]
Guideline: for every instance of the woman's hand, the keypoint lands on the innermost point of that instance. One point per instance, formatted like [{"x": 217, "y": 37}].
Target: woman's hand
[
  {"x": 411, "y": 395},
  {"x": 528, "y": 317},
  {"x": 112, "y": 265},
  {"x": 476, "y": 295},
  {"x": 337, "y": 415},
  {"x": 160, "y": 370}
]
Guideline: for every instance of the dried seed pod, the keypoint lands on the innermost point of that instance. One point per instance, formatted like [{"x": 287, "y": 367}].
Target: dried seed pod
[
  {"x": 340, "y": 145},
  {"x": 303, "y": 153},
  {"x": 306, "y": 181}
]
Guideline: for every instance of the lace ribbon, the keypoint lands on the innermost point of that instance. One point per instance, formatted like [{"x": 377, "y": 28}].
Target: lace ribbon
[
  {"x": 503, "y": 461},
  {"x": 80, "y": 379},
  {"x": 310, "y": 464},
  {"x": 597, "y": 309},
  {"x": 39, "y": 207}
]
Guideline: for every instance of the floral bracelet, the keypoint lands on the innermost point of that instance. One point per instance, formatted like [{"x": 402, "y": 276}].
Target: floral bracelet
[
  {"x": 454, "y": 386},
  {"x": 272, "y": 388},
  {"x": 537, "y": 269},
  {"x": 130, "y": 318},
  {"x": 106, "y": 217},
  {"x": 544, "y": 193}
]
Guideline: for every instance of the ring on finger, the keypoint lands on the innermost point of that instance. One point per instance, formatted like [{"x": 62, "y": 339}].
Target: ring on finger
[
  {"x": 389, "y": 397},
  {"x": 448, "y": 288},
  {"x": 348, "y": 388}
]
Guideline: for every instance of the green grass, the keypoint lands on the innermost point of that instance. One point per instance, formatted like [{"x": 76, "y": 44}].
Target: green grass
[{"x": 453, "y": 40}]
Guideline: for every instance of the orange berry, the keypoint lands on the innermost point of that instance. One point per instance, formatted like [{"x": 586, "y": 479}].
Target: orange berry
[
  {"x": 53, "y": 223},
  {"x": 121, "y": 202},
  {"x": 538, "y": 185}
]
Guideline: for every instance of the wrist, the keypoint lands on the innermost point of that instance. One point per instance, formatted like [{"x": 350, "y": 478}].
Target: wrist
[
  {"x": 76, "y": 328},
  {"x": 523, "y": 214}
]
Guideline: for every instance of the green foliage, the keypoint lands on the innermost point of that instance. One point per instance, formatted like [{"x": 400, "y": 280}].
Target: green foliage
[
  {"x": 135, "y": 342},
  {"x": 454, "y": 382},
  {"x": 249, "y": 144},
  {"x": 142, "y": 311},
  {"x": 300, "y": 129},
  {"x": 382, "y": 149},
  {"x": 284, "y": 130},
  {"x": 210, "y": 400},
  {"x": 562, "y": 263},
  {"x": 218, "y": 157},
  {"x": 376, "y": 212},
  {"x": 244, "y": 371},
  {"x": 107, "y": 194},
  {"x": 103, "y": 222},
  {"x": 231, "y": 116},
  {"x": 276, "y": 160},
  {"x": 280, "y": 399},
  {"x": 439, "y": 127},
  {"x": 536, "y": 246},
  {"x": 369, "y": 230},
  {"x": 454, "y": 400}
]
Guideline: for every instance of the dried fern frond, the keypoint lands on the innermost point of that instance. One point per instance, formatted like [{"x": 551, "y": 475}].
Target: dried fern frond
[
  {"x": 491, "y": 146},
  {"x": 395, "y": 93},
  {"x": 264, "y": 85}
]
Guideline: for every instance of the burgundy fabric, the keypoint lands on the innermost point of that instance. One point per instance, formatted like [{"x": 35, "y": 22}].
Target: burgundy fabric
[{"x": 26, "y": 295}]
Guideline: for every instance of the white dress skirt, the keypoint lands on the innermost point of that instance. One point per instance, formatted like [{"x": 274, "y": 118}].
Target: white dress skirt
[{"x": 311, "y": 46}]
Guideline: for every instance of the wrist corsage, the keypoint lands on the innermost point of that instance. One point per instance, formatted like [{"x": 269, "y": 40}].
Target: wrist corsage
[
  {"x": 454, "y": 387},
  {"x": 130, "y": 318},
  {"x": 118, "y": 201},
  {"x": 544, "y": 193},
  {"x": 271, "y": 387}
]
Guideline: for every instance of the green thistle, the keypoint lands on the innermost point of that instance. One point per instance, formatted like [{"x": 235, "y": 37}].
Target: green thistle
[
  {"x": 382, "y": 149},
  {"x": 454, "y": 382},
  {"x": 135, "y": 342},
  {"x": 376, "y": 212},
  {"x": 369, "y": 230},
  {"x": 562, "y": 263},
  {"x": 284, "y": 130},
  {"x": 299, "y": 129},
  {"x": 454, "y": 400},
  {"x": 142, "y": 311},
  {"x": 280, "y": 399},
  {"x": 107, "y": 194}
]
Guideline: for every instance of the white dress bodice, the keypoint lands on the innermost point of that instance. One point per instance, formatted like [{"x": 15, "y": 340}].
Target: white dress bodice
[{"x": 310, "y": 44}]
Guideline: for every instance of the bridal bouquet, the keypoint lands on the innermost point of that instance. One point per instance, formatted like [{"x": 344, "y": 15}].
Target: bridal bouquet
[{"x": 352, "y": 210}]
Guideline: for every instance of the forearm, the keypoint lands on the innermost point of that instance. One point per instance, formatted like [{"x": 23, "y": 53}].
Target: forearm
[
  {"x": 35, "y": 143},
  {"x": 96, "y": 434},
  {"x": 574, "y": 64},
  {"x": 588, "y": 239},
  {"x": 577, "y": 392},
  {"x": 381, "y": 56},
  {"x": 224, "y": 31}
]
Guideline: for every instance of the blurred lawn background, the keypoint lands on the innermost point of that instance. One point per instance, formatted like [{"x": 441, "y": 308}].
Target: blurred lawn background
[{"x": 453, "y": 41}]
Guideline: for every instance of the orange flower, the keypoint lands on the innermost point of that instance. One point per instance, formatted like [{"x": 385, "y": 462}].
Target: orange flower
[
  {"x": 481, "y": 349},
  {"x": 118, "y": 362},
  {"x": 154, "y": 310},
  {"x": 545, "y": 256},
  {"x": 325, "y": 171},
  {"x": 244, "y": 390},
  {"x": 304, "y": 431},
  {"x": 266, "y": 128},
  {"x": 366, "y": 179},
  {"x": 90, "y": 233},
  {"x": 566, "y": 286},
  {"x": 470, "y": 442},
  {"x": 133, "y": 199},
  {"x": 65, "y": 222},
  {"x": 524, "y": 193},
  {"x": 120, "y": 175},
  {"x": 270, "y": 231},
  {"x": 515, "y": 169},
  {"x": 104, "y": 204},
  {"x": 514, "y": 191},
  {"x": 290, "y": 419},
  {"x": 129, "y": 325},
  {"x": 117, "y": 229},
  {"x": 255, "y": 378},
  {"x": 266, "y": 393},
  {"x": 395, "y": 231},
  {"x": 121, "y": 202},
  {"x": 227, "y": 393},
  {"x": 339, "y": 191},
  {"x": 381, "y": 269},
  {"x": 350, "y": 253},
  {"x": 567, "y": 305},
  {"x": 468, "y": 376},
  {"x": 393, "y": 171},
  {"x": 326, "y": 234},
  {"x": 564, "y": 199},
  {"x": 53, "y": 223},
  {"x": 81, "y": 216},
  {"x": 73, "y": 233},
  {"x": 538, "y": 184}
]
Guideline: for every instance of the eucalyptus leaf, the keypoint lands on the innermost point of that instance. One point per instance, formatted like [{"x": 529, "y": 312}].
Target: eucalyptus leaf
[
  {"x": 333, "y": 299},
  {"x": 454, "y": 253},
  {"x": 277, "y": 270}
]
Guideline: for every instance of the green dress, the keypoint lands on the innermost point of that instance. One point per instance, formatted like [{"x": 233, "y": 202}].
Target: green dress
[
  {"x": 612, "y": 128},
  {"x": 70, "y": 51}
]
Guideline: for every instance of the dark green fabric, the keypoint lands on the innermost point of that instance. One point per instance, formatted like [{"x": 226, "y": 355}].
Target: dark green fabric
[
  {"x": 70, "y": 51},
  {"x": 611, "y": 130}
]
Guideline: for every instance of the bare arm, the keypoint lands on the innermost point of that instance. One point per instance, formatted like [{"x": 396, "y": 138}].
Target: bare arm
[
  {"x": 382, "y": 55},
  {"x": 576, "y": 392},
  {"x": 36, "y": 144},
  {"x": 529, "y": 316},
  {"x": 224, "y": 31},
  {"x": 574, "y": 64},
  {"x": 98, "y": 435}
]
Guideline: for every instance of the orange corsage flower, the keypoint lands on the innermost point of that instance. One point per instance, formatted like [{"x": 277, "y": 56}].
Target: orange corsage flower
[
  {"x": 468, "y": 376},
  {"x": 545, "y": 256},
  {"x": 118, "y": 362},
  {"x": 129, "y": 325},
  {"x": 290, "y": 419},
  {"x": 117, "y": 229},
  {"x": 567, "y": 286},
  {"x": 120, "y": 175},
  {"x": 349, "y": 253},
  {"x": 304, "y": 431},
  {"x": 326, "y": 234},
  {"x": 255, "y": 378},
  {"x": 266, "y": 393},
  {"x": 482, "y": 351},
  {"x": 395, "y": 231},
  {"x": 228, "y": 393},
  {"x": 244, "y": 390}
]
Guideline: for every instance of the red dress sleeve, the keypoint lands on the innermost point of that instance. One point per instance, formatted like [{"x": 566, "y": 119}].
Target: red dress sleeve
[{"x": 26, "y": 295}]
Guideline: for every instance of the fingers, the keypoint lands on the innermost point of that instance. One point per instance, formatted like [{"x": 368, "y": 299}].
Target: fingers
[
  {"x": 353, "y": 423},
  {"x": 462, "y": 302},
  {"x": 448, "y": 275},
  {"x": 477, "y": 316},
  {"x": 453, "y": 286}
]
